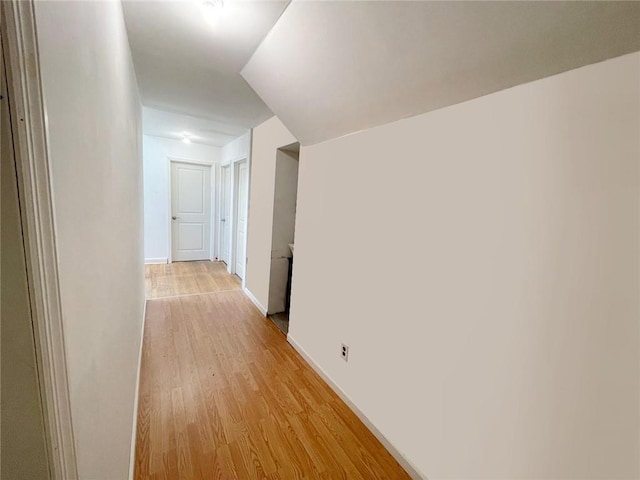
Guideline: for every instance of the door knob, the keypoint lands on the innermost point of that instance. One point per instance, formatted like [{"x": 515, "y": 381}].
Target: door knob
[
  {"x": 223, "y": 219},
  {"x": 174, "y": 218}
]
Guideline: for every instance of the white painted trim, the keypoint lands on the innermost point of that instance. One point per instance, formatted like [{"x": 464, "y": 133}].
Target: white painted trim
[
  {"x": 255, "y": 301},
  {"x": 134, "y": 433},
  {"x": 216, "y": 217},
  {"x": 246, "y": 240},
  {"x": 235, "y": 165},
  {"x": 32, "y": 162},
  {"x": 153, "y": 261},
  {"x": 413, "y": 472},
  {"x": 213, "y": 234},
  {"x": 219, "y": 209},
  {"x": 234, "y": 160},
  {"x": 190, "y": 160},
  {"x": 231, "y": 219},
  {"x": 169, "y": 213}
]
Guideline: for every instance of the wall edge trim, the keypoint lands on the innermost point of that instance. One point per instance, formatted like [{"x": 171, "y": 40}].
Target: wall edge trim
[
  {"x": 152, "y": 261},
  {"x": 255, "y": 301},
  {"x": 134, "y": 432}
]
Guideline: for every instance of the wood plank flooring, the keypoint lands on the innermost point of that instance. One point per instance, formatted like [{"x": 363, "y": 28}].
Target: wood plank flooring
[
  {"x": 224, "y": 396},
  {"x": 187, "y": 278}
]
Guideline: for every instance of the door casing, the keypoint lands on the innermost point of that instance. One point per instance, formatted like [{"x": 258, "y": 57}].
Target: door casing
[
  {"x": 224, "y": 227},
  {"x": 236, "y": 213},
  {"x": 19, "y": 38}
]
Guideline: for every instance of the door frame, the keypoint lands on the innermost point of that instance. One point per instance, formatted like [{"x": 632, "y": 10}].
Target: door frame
[
  {"x": 212, "y": 177},
  {"x": 220, "y": 213},
  {"x": 18, "y": 28},
  {"x": 233, "y": 183},
  {"x": 234, "y": 234}
]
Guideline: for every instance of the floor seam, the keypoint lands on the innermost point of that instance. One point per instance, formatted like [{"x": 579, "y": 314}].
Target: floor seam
[{"x": 194, "y": 294}]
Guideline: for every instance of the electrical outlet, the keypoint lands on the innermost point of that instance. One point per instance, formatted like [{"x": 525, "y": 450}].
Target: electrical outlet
[{"x": 344, "y": 352}]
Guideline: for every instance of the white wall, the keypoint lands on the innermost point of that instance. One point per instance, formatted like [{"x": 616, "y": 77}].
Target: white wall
[
  {"x": 236, "y": 149},
  {"x": 267, "y": 138},
  {"x": 482, "y": 263},
  {"x": 156, "y": 188},
  {"x": 94, "y": 134}
]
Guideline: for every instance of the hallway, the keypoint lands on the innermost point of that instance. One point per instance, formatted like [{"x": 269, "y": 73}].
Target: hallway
[{"x": 224, "y": 396}]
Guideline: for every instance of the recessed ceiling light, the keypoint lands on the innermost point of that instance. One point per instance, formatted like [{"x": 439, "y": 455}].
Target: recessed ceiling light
[{"x": 211, "y": 9}]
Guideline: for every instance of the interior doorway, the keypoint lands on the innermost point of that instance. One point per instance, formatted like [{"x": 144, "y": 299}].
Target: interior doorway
[
  {"x": 241, "y": 201},
  {"x": 283, "y": 236},
  {"x": 190, "y": 211},
  {"x": 225, "y": 214}
]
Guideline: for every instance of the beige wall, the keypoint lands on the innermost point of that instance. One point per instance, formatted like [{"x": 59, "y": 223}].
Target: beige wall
[
  {"x": 94, "y": 133},
  {"x": 22, "y": 440},
  {"x": 482, "y": 263},
  {"x": 267, "y": 138}
]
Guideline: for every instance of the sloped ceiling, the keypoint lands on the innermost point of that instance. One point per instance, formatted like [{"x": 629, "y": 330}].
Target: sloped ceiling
[
  {"x": 187, "y": 65},
  {"x": 331, "y": 68}
]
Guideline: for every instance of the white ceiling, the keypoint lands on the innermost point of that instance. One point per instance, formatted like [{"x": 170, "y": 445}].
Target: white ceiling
[
  {"x": 186, "y": 65},
  {"x": 200, "y": 130},
  {"x": 332, "y": 68}
]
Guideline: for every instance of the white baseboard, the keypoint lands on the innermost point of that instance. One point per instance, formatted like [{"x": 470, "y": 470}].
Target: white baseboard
[
  {"x": 150, "y": 261},
  {"x": 134, "y": 433},
  {"x": 255, "y": 301},
  {"x": 413, "y": 472}
]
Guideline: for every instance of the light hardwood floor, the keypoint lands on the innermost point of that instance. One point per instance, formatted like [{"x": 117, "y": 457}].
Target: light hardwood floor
[
  {"x": 186, "y": 278},
  {"x": 224, "y": 396}
]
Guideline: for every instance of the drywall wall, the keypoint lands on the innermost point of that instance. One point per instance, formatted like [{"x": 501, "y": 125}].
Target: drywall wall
[
  {"x": 267, "y": 138},
  {"x": 156, "y": 153},
  {"x": 95, "y": 146},
  {"x": 22, "y": 439},
  {"x": 237, "y": 149},
  {"x": 283, "y": 230},
  {"x": 482, "y": 263},
  {"x": 345, "y": 66}
]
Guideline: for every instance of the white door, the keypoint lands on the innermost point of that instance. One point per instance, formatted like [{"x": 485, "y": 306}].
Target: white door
[
  {"x": 225, "y": 210},
  {"x": 190, "y": 211},
  {"x": 241, "y": 220}
]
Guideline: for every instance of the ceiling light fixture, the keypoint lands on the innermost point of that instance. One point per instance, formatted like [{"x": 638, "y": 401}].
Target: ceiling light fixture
[{"x": 211, "y": 9}]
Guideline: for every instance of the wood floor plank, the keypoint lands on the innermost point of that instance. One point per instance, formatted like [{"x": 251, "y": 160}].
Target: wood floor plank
[
  {"x": 222, "y": 395},
  {"x": 188, "y": 278}
]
